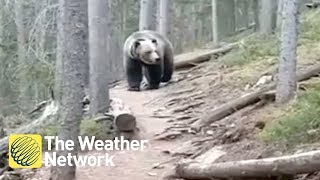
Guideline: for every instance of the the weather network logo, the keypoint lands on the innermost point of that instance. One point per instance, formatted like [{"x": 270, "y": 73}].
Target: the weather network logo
[{"x": 25, "y": 151}]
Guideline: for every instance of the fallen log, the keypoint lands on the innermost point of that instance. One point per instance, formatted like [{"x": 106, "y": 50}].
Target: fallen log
[
  {"x": 122, "y": 115},
  {"x": 190, "y": 59},
  {"x": 248, "y": 99},
  {"x": 50, "y": 109},
  {"x": 123, "y": 118},
  {"x": 258, "y": 168}
]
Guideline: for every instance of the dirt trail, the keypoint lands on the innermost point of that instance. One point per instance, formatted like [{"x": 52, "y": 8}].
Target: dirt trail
[
  {"x": 131, "y": 165},
  {"x": 135, "y": 164}
]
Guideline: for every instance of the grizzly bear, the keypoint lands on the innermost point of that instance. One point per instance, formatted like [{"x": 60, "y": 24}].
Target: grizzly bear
[{"x": 150, "y": 54}]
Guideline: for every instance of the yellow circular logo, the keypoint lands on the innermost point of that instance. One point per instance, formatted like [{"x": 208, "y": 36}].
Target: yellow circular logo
[{"x": 25, "y": 151}]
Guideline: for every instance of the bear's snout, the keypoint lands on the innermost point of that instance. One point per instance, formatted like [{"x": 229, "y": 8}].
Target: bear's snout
[{"x": 157, "y": 59}]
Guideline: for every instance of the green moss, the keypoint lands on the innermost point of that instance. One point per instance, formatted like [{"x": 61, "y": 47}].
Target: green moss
[
  {"x": 299, "y": 124},
  {"x": 103, "y": 130}
]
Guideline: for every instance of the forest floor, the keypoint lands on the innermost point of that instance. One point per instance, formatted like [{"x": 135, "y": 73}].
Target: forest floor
[
  {"x": 132, "y": 164},
  {"x": 165, "y": 115}
]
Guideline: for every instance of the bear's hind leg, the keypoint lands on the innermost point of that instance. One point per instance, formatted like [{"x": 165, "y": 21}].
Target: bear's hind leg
[
  {"x": 153, "y": 75},
  {"x": 134, "y": 74}
]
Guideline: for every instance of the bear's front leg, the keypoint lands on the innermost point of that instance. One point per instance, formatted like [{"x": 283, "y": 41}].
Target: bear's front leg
[
  {"x": 134, "y": 74},
  {"x": 153, "y": 75}
]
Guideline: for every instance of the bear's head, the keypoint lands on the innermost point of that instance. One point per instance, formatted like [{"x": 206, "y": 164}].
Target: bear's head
[{"x": 147, "y": 51}]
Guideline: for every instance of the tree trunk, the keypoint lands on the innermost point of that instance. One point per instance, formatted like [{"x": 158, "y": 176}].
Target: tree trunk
[
  {"x": 73, "y": 47},
  {"x": 58, "y": 64},
  {"x": 226, "y": 25},
  {"x": 163, "y": 17},
  {"x": 279, "y": 13},
  {"x": 214, "y": 23},
  {"x": 85, "y": 21},
  {"x": 2, "y": 21},
  {"x": 146, "y": 14},
  {"x": 256, "y": 13},
  {"x": 22, "y": 51},
  {"x": 308, "y": 162},
  {"x": 287, "y": 83},
  {"x": 100, "y": 35},
  {"x": 192, "y": 59},
  {"x": 268, "y": 16}
]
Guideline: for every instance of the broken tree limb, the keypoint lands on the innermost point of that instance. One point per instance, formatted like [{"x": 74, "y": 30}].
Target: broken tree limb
[
  {"x": 190, "y": 59},
  {"x": 39, "y": 107},
  {"x": 258, "y": 168},
  {"x": 248, "y": 99},
  {"x": 50, "y": 109}
]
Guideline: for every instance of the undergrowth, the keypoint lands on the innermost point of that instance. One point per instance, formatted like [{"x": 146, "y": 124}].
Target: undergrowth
[
  {"x": 258, "y": 47},
  {"x": 252, "y": 48},
  {"x": 102, "y": 131},
  {"x": 88, "y": 127},
  {"x": 299, "y": 123}
]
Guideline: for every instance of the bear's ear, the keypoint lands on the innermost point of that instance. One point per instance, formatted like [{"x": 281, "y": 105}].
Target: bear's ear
[
  {"x": 154, "y": 41},
  {"x": 136, "y": 44}
]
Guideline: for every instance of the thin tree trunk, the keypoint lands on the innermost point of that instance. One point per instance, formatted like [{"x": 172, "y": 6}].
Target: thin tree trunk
[
  {"x": 42, "y": 34},
  {"x": 279, "y": 13},
  {"x": 100, "y": 34},
  {"x": 22, "y": 45},
  {"x": 163, "y": 17},
  {"x": 85, "y": 21},
  {"x": 226, "y": 25},
  {"x": 72, "y": 45},
  {"x": 287, "y": 84},
  {"x": 241, "y": 14},
  {"x": 256, "y": 14},
  {"x": 146, "y": 14},
  {"x": 268, "y": 15},
  {"x": 2, "y": 22},
  {"x": 215, "y": 23}
]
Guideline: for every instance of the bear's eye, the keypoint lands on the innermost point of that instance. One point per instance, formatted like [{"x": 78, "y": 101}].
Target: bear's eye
[
  {"x": 149, "y": 52},
  {"x": 154, "y": 41}
]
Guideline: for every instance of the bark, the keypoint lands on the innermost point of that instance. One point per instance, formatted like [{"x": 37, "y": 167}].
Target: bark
[
  {"x": 308, "y": 162},
  {"x": 239, "y": 103},
  {"x": 268, "y": 16},
  {"x": 85, "y": 21},
  {"x": 215, "y": 37},
  {"x": 22, "y": 50},
  {"x": 191, "y": 59},
  {"x": 163, "y": 17},
  {"x": 146, "y": 14},
  {"x": 256, "y": 14},
  {"x": 58, "y": 63},
  {"x": 287, "y": 84},
  {"x": 2, "y": 21},
  {"x": 42, "y": 30},
  {"x": 279, "y": 12},
  {"x": 100, "y": 35},
  {"x": 73, "y": 47}
]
